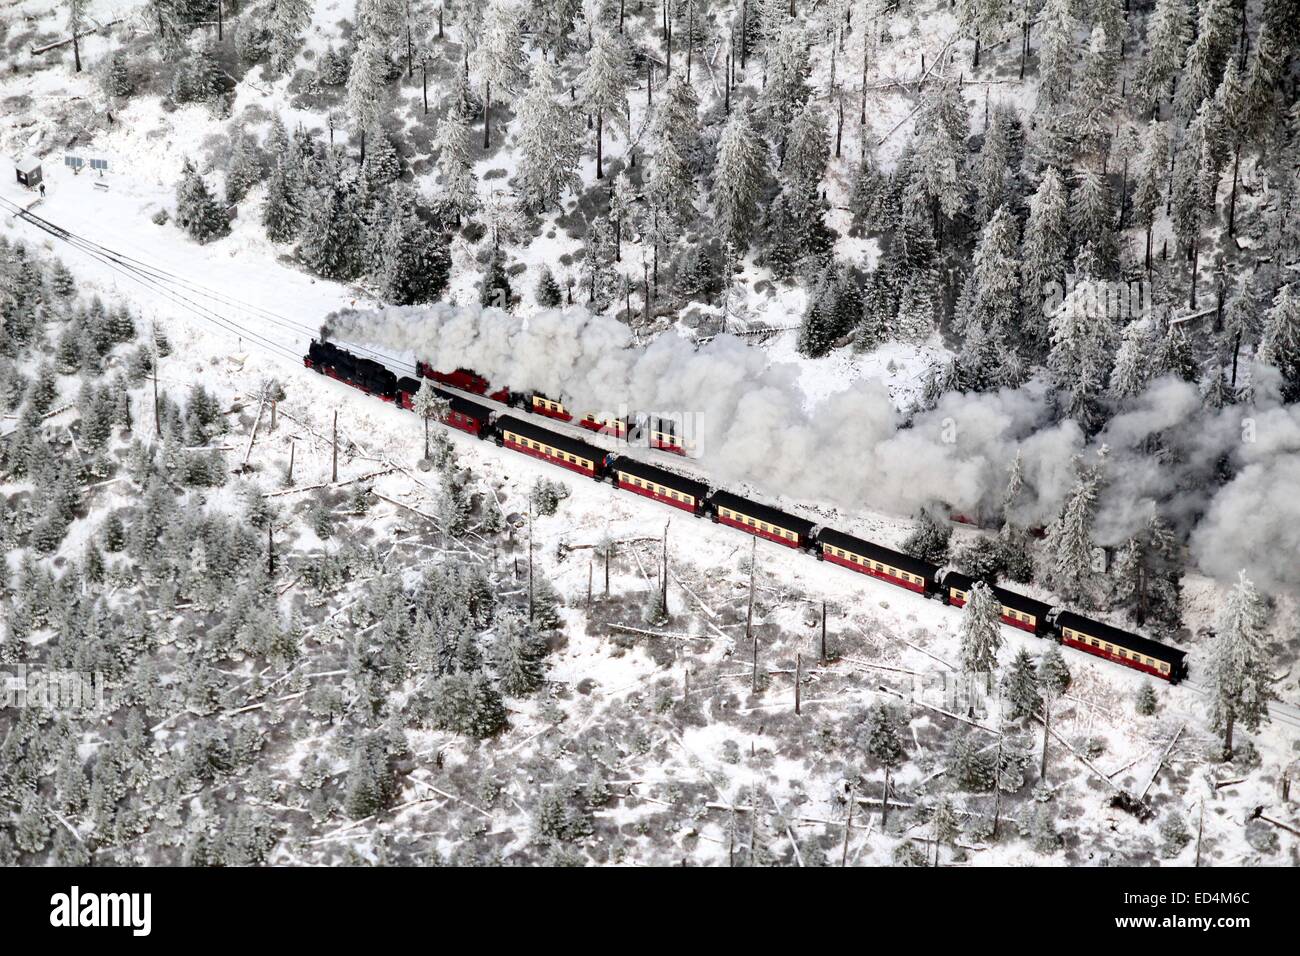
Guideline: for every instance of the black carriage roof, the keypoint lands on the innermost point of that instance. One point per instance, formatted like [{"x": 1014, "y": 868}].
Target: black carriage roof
[
  {"x": 670, "y": 479},
  {"x": 876, "y": 552},
  {"x": 563, "y": 442},
  {"x": 454, "y": 402},
  {"x": 465, "y": 406},
  {"x": 963, "y": 582},
  {"x": 1126, "y": 639},
  {"x": 782, "y": 519}
]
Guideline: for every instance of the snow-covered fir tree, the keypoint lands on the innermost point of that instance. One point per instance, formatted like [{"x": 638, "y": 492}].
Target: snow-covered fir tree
[
  {"x": 738, "y": 178},
  {"x": 547, "y": 139},
  {"x": 980, "y": 631},
  {"x": 1238, "y": 670},
  {"x": 602, "y": 87}
]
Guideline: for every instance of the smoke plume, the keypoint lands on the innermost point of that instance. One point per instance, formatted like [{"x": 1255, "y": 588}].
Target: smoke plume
[{"x": 747, "y": 421}]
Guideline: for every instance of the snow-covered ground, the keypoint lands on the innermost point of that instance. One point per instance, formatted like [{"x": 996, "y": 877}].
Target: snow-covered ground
[{"x": 880, "y": 635}]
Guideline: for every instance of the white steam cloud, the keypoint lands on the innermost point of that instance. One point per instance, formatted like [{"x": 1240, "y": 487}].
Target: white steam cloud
[{"x": 748, "y": 421}]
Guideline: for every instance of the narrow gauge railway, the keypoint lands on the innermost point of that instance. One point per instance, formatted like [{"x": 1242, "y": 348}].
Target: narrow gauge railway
[{"x": 688, "y": 494}]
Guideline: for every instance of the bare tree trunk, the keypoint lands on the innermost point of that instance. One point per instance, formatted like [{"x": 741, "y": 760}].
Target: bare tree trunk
[
  {"x": 848, "y": 830},
  {"x": 822, "y": 649},
  {"x": 1232, "y": 199},
  {"x": 798, "y": 679},
  {"x": 1047, "y": 729},
  {"x": 334, "y": 443},
  {"x": 293, "y": 446},
  {"x": 76, "y": 52},
  {"x": 600, "y": 122},
  {"x": 487, "y": 113},
  {"x": 884, "y": 801},
  {"x": 270, "y": 551}
]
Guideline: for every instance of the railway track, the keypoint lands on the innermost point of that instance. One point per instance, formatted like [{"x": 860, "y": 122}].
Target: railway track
[{"x": 1288, "y": 715}]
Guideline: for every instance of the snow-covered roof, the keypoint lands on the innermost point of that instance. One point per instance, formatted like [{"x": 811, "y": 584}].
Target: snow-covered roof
[{"x": 28, "y": 164}]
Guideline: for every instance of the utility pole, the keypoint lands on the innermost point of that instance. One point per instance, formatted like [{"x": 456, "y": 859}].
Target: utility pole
[
  {"x": 530, "y": 562},
  {"x": 157, "y": 419},
  {"x": 823, "y": 647},
  {"x": 1200, "y": 829},
  {"x": 848, "y": 829},
  {"x": 749, "y": 614},
  {"x": 664, "y": 593},
  {"x": 334, "y": 470},
  {"x": 1047, "y": 727}
]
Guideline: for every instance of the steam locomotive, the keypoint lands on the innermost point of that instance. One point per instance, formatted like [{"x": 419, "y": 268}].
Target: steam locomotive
[{"x": 699, "y": 499}]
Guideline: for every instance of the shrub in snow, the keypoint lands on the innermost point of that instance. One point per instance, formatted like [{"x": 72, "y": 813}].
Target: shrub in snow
[
  {"x": 546, "y": 496},
  {"x": 1145, "y": 704},
  {"x": 1173, "y": 831},
  {"x": 929, "y": 541},
  {"x": 467, "y": 703}
]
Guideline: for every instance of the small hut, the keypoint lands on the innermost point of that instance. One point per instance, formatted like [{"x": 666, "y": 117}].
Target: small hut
[{"x": 29, "y": 171}]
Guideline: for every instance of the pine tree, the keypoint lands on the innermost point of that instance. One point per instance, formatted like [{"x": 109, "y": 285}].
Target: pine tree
[
  {"x": 1133, "y": 362},
  {"x": 997, "y": 182},
  {"x": 796, "y": 220},
  {"x": 674, "y": 134},
  {"x": 1046, "y": 246},
  {"x": 973, "y": 768},
  {"x": 1153, "y": 164},
  {"x": 364, "y": 101},
  {"x": 738, "y": 179},
  {"x": 495, "y": 289},
  {"x": 76, "y": 25},
  {"x": 1239, "y": 677},
  {"x": 1145, "y": 704},
  {"x": 281, "y": 210},
  {"x": 454, "y": 163},
  {"x": 980, "y": 631},
  {"x": 1095, "y": 99},
  {"x": 883, "y": 736},
  {"x": 330, "y": 235},
  {"x": 497, "y": 59},
  {"x": 414, "y": 259},
  {"x": 786, "y": 87},
  {"x": 243, "y": 170},
  {"x": 939, "y": 140},
  {"x": 1082, "y": 337},
  {"x": 1279, "y": 345},
  {"x": 1056, "y": 54},
  {"x": 996, "y": 300},
  {"x": 1093, "y": 217},
  {"x": 1216, "y": 33},
  {"x": 1069, "y": 537},
  {"x": 285, "y": 21},
  {"x": 547, "y": 142},
  {"x": 519, "y": 656},
  {"x": 197, "y": 212},
  {"x": 929, "y": 540},
  {"x": 602, "y": 87},
  {"x": 1145, "y": 580},
  {"x": 1020, "y": 687},
  {"x": 548, "y": 293},
  {"x": 1168, "y": 33},
  {"x": 1053, "y": 674}
]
